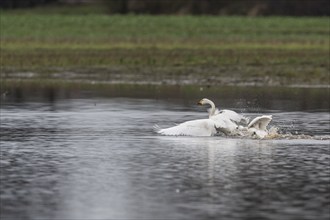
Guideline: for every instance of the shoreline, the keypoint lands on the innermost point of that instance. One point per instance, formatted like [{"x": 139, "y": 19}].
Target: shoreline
[
  {"x": 230, "y": 83},
  {"x": 199, "y": 76}
]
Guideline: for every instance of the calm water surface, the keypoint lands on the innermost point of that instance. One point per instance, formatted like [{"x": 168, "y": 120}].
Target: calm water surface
[{"x": 98, "y": 158}]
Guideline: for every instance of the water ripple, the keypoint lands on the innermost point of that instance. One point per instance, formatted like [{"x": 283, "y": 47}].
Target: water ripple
[{"x": 100, "y": 161}]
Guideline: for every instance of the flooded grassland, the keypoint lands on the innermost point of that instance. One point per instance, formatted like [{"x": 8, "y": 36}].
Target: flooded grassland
[{"x": 80, "y": 96}]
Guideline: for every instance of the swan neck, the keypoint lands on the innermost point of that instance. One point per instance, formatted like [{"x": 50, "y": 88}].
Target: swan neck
[{"x": 212, "y": 111}]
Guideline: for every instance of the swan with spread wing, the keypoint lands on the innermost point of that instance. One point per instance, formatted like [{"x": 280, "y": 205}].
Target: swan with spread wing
[
  {"x": 225, "y": 121},
  {"x": 257, "y": 127}
]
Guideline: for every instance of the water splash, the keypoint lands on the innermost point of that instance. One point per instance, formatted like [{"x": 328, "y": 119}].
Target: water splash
[{"x": 278, "y": 134}]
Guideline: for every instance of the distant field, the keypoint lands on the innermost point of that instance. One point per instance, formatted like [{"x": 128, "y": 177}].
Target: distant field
[{"x": 279, "y": 48}]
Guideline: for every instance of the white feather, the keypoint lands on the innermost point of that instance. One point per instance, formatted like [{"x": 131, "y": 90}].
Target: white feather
[
  {"x": 260, "y": 122},
  {"x": 233, "y": 116},
  {"x": 200, "y": 127}
]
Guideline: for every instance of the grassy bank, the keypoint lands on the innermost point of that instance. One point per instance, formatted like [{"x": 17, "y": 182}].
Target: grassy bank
[{"x": 206, "y": 49}]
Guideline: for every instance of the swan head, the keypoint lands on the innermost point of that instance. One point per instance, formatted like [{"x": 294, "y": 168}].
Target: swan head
[
  {"x": 205, "y": 101},
  {"x": 258, "y": 133}
]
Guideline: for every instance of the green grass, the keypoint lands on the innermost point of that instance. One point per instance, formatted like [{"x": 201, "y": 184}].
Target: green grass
[
  {"x": 179, "y": 29},
  {"x": 283, "y": 47}
]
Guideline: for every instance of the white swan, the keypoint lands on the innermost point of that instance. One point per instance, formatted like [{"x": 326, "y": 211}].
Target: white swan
[
  {"x": 227, "y": 121},
  {"x": 199, "y": 127},
  {"x": 258, "y": 126}
]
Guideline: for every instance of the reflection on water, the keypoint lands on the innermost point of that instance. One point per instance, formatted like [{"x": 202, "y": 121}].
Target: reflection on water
[
  {"x": 253, "y": 98},
  {"x": 98, "y": 158}
]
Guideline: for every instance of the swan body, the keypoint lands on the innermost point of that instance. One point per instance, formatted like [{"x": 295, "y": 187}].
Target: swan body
[
  {"x": 226, "y": 121},
  {"x": 199, "y": 127},
  {"x": 257, "y": 127}
]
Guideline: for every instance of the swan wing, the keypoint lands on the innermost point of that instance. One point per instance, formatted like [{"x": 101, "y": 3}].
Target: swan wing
[
  {"x": 200, "y": 127},
  {"x": 233, "y": 116},
  {"x": 260, "y": 122},
  {"x": 223, "y": 124},
  {"x": 228, "y": 121}
]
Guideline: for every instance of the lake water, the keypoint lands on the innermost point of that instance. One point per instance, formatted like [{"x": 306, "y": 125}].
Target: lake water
[{"x": 92, "y": 154}]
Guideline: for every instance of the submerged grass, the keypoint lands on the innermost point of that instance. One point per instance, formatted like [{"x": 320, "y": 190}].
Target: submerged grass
[{"x": 175, "y": 46}]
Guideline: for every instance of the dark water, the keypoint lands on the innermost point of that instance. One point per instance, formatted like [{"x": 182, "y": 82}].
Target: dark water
[{"x": 83, "y": 155}]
